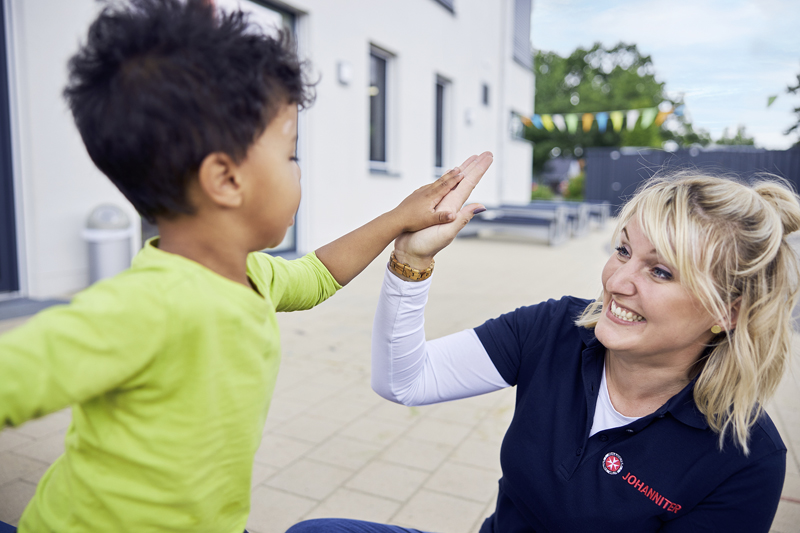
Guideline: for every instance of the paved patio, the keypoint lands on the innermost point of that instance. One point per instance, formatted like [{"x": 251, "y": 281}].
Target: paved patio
[{"x": 332, "y": 447}]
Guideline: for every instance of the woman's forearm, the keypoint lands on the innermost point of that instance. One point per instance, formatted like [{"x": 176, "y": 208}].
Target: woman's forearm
[{"x": 408, "y": 370}]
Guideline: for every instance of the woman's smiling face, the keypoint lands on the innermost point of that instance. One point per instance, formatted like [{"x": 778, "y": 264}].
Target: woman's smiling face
[{"x": 647, "y": 313}]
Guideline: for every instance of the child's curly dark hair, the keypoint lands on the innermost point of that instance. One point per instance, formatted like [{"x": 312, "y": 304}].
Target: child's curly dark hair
[{"x": 160, "y": 84}]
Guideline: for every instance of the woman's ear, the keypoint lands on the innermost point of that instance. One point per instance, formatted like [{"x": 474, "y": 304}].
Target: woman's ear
[
  {"x": 734, "y": 314},
  {"x": 219, "y": 180}
]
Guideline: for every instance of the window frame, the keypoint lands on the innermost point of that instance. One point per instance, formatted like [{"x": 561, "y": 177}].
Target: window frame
[
  {"x": 383, "y": 166},
  {"x": 9, "y": 256},
  {"x": 441, "y": 118}
]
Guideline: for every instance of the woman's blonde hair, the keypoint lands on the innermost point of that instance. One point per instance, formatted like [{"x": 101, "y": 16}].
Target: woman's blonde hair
[{"x": 728, "y": 242}]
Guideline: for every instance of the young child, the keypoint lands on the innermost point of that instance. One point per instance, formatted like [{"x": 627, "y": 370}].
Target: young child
[{"x": 170, "y": 366}]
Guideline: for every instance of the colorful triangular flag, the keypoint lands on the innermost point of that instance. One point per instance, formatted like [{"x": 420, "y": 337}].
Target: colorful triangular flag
[
  {"x": 572, "y": 122},
  {"x": 587, "y": 119},
  {"x": 662, "y": 116},
  {"x": 648, "y": 115},
  {"x": 602, "y": 120},
  {"x": 616, "y": 119},
  {"x": 631, "y": 117}
]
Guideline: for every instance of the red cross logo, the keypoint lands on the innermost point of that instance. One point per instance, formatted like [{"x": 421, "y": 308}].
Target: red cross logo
[{"x": 612, "y": 463}]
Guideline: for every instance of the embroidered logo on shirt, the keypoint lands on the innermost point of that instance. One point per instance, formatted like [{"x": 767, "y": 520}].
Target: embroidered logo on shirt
[
  {"x": 651, "y": 493},
  {"x": 612, "y": 463}
]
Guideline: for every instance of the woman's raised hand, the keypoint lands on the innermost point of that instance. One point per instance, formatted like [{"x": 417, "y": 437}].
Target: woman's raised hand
[{"x": 418, "y": 248}]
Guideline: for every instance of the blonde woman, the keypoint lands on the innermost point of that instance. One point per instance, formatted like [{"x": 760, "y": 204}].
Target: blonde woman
[{"x": 641, "y": 411}]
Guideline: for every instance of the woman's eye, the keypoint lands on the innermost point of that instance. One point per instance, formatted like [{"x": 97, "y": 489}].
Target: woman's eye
[
  {"x": 660, "y": 273},
  {"x": 622, "y": 251},
  {"x": 294, "y": 158}
]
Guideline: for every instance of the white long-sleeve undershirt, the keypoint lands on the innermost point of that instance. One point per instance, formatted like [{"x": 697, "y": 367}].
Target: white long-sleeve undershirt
[{"x": 408, "y": 370}]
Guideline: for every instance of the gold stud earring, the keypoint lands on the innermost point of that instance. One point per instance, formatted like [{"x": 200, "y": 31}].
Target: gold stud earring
[{"x": 716, "y": 330}]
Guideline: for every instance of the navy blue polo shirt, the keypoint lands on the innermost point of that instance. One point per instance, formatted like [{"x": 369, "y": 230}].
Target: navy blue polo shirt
[{"x": 663, "y": 472}]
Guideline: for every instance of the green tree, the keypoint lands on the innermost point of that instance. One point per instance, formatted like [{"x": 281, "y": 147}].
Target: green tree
[
  {"x": 795, "y": 90},
  {"x": 600, "y": 79},
  {"x": 740, "y": 138}
]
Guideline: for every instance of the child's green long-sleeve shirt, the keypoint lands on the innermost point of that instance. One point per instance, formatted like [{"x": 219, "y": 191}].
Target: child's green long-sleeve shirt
[{"x": 169, "y": 369}]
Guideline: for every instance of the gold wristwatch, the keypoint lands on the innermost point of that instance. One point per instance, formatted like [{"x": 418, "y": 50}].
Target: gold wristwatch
[{"x": 412, "y": 274}]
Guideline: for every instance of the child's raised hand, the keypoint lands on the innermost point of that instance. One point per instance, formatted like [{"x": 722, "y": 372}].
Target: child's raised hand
[
  {"x": 439, "y": 202},
  {"x": 422, "y": 208},
  {"x": 418, "y": 248}
]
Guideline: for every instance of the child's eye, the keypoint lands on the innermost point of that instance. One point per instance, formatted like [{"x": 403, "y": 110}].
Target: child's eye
[{"x": 622, "y": 251}]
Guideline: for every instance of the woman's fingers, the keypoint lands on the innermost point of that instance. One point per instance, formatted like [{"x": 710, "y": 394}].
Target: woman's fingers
[
  {"x": 478, "y": 167},
  {"x": 473, "y": 170},
  {"x": 468, "y": 161}
]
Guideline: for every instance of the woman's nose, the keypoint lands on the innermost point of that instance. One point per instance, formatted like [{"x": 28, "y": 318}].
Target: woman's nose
[{"x": 623, "y": 279}]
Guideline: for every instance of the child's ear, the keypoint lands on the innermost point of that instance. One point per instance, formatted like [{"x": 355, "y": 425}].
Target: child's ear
[{"x": 219, "y": 179}]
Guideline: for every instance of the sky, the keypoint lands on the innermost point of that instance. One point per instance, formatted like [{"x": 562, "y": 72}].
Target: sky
[{"x": 726, "y": 57}]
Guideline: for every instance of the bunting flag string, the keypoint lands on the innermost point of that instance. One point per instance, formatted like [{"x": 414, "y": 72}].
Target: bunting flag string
[{"x": 569, "y": 122}]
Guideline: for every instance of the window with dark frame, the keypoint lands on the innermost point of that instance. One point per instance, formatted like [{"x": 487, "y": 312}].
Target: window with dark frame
[
  {"x": 9, "y": 274},
  {"x": 378, "y": 63},
  {"x": 522, "y": 33},
  {"x": 441, "y": 89}
]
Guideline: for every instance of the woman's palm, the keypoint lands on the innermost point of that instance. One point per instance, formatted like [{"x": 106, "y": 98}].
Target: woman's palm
[{"x": 426, "y": 243}]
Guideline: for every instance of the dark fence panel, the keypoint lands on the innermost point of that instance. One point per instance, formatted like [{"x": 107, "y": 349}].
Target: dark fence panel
[{"x": 613, "y": 174}]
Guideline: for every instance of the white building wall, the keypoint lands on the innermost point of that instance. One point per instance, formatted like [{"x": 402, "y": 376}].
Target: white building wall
[
  {"x": 517, "y": 84},
  {"x": 56, "y": 184},
  {"x": 469, "y": 48},
  {"x": 59, "y": 185}
]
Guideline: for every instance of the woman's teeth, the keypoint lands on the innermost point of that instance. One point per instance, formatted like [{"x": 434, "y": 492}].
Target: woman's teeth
[{"x": 622, "y": 314}]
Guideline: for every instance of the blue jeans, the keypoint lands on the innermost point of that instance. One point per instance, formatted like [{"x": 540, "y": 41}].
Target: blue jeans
[
  {"x": 8, "y": 528},
  {"x": 344, "y": 525}
]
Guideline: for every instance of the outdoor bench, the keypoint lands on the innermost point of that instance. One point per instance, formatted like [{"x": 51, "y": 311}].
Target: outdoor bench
[
  {"x": 550, "y": 224},
  {"x": 577, "y": 213}
]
